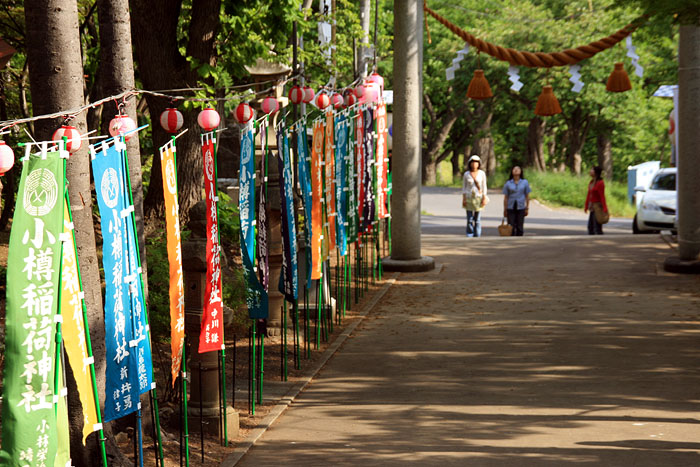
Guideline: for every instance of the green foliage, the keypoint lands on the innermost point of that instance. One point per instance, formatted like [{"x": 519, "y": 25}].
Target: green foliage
[
  {"x": 636, "y": 121},
  {"x": 158, "y": 284}
]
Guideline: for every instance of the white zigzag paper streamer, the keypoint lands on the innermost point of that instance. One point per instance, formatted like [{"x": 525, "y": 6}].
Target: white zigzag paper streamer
[
  {"x": 514, "y": 77},
  {"x": 632, "y": 53},
  {"x": 450, "y": 72},
  {"x": 576, "y": 78}
]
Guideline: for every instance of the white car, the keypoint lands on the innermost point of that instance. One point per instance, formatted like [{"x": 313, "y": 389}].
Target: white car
[{"x": 656, "y": 204}]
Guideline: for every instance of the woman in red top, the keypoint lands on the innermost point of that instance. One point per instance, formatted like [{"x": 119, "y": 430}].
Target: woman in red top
[{"x": 596, "y": 194}]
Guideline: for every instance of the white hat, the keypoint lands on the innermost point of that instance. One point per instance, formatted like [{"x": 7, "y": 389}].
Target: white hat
[{"x": 474, "y": 158}]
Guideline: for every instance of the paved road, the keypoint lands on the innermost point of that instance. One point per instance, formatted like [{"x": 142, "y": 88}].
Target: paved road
[
  {"x": 443, "y": 215},
  {"x": 521, "y": 352}
]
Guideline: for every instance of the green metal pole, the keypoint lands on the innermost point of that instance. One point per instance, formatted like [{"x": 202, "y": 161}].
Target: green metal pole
[
  {"x": 284, "y": 340},
  {"x": 223, "y": 392},
  {"x": 154, "y": 396},
  {"x": 254, "y": 370},
  {"x": 184, "y": 401}
]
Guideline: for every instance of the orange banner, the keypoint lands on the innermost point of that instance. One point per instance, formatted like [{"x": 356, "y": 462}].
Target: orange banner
[
  {"x": 382, "y": 159},
  {"x": 177, "y": 289},
  {"x": 73, "y": 328},
  {"x": 316, "y": 197},
  {"x": 329, "y": 158}
]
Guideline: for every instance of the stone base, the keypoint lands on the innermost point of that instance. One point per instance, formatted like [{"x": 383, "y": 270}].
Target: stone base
[
  {"x": 211, "y": 426},
  {"x": 422, "y": 264},
  {"x": 679, "y": 266}
]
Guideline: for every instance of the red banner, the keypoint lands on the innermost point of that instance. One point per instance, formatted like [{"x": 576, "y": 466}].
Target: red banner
[
  {"x": 360, "y": 167},
  {"x": 316, "y": 195},
  {"x": 381, "y": 157},
  {"x": 330, "y": 185},
  {"x": 211, "y": 335}
]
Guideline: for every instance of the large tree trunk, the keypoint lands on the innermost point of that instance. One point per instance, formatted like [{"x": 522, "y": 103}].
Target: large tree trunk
[
  {"x": 56, "y": 80},
  {"x": 578, "y": 125},
  {"x": 604, "y": 145},
  {"x": 429, "y": 172},
  {"x": 161, "y": 66},
  {"x": 484, "y": 146},
  {"x": 456, "y": 167},
  {"x": 117, "y": 76},
  {"x": 535, "y": 144}
]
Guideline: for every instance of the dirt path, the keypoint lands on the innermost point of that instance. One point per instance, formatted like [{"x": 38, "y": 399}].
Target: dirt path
[{"x": 522, "y": 352}]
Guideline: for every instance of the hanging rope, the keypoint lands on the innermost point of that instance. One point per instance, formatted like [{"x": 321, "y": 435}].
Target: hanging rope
[{"x": 539, "y": 59}]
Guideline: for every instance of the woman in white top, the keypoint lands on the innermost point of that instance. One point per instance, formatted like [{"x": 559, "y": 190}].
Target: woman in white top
[{"x": 474, "y": 195}]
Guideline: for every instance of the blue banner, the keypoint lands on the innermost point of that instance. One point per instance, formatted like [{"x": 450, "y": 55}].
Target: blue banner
[
  {"x": 341, "y": 189},
  {"x": 256, "y": 296},
  {"x": 246, "y": 193},
  {"x": 141, "y": 343},
  {"x": 289, "y": 276},
  {"x": 305, "y": 184},
  {"x": 122, "y": 382}
]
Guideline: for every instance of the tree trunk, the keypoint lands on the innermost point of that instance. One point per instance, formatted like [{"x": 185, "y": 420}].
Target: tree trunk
[
  {"x": 456, "y": 168},
  {"x": 116, "y": 76},
  {"x": 605, "y": 154},
  {"x": 161, "y": 66},
  {"x": 429, "y": 172},
  {"x": 484, "y": 146},
  {"x": 578, "y": 125},
  {"x": 535, "y": 144},
  {"x": 56, "y": 81}
]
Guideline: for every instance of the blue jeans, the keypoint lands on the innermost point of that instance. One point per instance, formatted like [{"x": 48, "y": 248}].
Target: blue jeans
[{"x": 473, "y": 223}]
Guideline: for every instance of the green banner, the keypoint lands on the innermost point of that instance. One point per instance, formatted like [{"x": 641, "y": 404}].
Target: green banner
[{"x": 29, "y": 430}]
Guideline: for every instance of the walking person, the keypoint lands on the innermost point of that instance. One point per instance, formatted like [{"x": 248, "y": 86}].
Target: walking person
[
  {"x": 595, "y": 200},
  {"x": 474, "y": 197},
  {"x": 516, "y": 200}
]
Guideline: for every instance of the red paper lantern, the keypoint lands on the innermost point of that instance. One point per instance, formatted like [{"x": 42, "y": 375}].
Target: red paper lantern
[
  {"x": 243, "y": 113},
  {"x": 360, "y": 91},
  {"x": 337, "y": 101},
  {"x": 349, "y": 97},
  {"x": 296, "y": 95},
  {"x": 376, "y": 78},
  {"x": 308, "y": 94},
  {"x": 73, "y": 143},
  {"x": 171, "y": 120},
  {"x": 270, "y": 105},
  {"x": 208, "y": 119},
  {"x": 121, "y": 124},
  {"x": 322, "y": 100},
  {"x": 371, "y": 93},
  {"x": 7, "y": 158}
]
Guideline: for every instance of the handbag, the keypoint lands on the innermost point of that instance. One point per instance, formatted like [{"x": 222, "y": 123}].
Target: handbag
[
  {"x": 601, "y": 216},
  {"x": 505, "y": 230}
]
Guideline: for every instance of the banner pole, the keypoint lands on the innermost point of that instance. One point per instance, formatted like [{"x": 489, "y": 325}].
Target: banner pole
[
  {"x": 101, "y": 436},
  {"x": 184, "y": 403},
  {"x": 254, "y": 367},
  {"x": 223, "y": 392},
  {"x": 284, "y": 340},
  {"x": 154, "y": 396},
  {"x": 201, "y": 415}
]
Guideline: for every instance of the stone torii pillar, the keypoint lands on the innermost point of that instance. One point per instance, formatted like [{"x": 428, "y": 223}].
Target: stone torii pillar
[
  {"x": 688, "y": 260},
  {"x": 407, "y": 139}
]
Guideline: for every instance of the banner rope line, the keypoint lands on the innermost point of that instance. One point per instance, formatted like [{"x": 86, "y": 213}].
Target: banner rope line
[{"x": 539, "y": 59}]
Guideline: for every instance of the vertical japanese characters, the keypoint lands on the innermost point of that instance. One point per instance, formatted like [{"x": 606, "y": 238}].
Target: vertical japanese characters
[
  {"x": 211, "y": 336},
  {"x": 176, "y": 286},
  {"x": 29, "y": 423}
]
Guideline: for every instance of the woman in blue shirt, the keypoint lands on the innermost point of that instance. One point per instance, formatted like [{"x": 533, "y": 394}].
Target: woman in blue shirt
[{"x": 516, "y": 201}]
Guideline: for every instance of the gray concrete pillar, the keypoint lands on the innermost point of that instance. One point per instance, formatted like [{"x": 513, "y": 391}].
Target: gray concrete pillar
[
  {"x": 407, "y": 138},
  {"x": 688, "y": 155}
]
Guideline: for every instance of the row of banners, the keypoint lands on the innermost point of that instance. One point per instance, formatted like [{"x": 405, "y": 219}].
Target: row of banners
[{"x": 343, "y": 181}]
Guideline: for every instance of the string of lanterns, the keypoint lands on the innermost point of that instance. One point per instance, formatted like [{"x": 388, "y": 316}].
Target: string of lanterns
[{"x": 172, "y": 120}]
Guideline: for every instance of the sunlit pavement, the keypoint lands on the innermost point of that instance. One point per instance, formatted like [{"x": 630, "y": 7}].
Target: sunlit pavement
[{"x": 533, "y": 351}]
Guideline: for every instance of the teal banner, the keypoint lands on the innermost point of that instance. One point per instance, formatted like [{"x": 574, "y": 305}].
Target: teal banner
[{"x": 29, "y": 424}]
